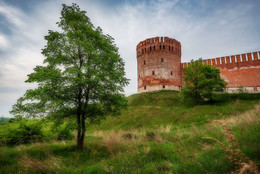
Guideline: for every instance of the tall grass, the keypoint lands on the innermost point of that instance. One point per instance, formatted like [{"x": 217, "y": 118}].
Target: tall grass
[{"x": 155, "y": 135}]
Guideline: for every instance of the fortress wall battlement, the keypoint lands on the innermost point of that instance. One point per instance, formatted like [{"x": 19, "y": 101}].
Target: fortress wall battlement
[
  {"x": 234, "y": 61},
  {"x": 158, "y": 44},
  {"x": 237, "y": 70}
]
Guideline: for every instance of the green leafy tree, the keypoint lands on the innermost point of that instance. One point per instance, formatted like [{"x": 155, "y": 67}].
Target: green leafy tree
[
  {"x": 201, "y": 81},
  {"x": 82, "y": 76}
]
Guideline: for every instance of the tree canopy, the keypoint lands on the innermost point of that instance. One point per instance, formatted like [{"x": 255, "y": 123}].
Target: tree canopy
[
  {"x": 201, "y": 81},
  {"x": 82, "y": 76}
]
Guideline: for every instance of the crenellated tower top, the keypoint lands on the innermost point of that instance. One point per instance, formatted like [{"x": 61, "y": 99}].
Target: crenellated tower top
[{"x": 156, "y": 44}]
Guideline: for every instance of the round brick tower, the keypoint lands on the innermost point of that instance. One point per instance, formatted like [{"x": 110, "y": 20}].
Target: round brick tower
[{"x": 159, "y": 64}]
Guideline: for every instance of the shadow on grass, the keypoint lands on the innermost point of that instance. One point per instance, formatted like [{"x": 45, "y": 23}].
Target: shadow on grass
[{"x": 225, "y": 98}]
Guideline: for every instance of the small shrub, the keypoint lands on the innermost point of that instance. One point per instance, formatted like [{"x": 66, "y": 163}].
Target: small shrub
[
  {"x": 64, "y": 132},
  {"x": 59, "y": 130},
  {"x": 26, "y": 132}
]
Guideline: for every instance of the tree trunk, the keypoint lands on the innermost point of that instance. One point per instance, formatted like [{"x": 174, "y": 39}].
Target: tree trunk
[
  {"x": 81, "y": 128},
  {"x": 82, "y": 137},
  {"x": 81, "y": 132},
  {"x": 80, "y": 143}
]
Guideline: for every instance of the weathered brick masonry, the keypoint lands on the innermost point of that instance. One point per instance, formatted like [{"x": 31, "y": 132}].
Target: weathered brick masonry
[
  {"x": 160, "y": 67},
  {"x": 159, "y": 61},
  {"x": 238, "y": 70}
]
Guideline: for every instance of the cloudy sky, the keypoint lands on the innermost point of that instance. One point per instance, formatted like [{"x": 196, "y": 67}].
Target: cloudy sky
[{"x": 205, "y": 29}]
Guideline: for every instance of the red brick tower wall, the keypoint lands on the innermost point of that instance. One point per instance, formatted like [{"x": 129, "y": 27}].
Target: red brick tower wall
[
  {"x": 158, "y": 61},
  {"x": 238, "y": 70}
]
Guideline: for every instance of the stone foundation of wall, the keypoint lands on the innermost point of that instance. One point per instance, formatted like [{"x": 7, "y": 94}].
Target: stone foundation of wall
[
  {"x": 248, "y": 89},
  {"x": 150, "y": 88}
]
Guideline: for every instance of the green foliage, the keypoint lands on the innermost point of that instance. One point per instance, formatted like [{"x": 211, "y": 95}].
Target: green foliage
[
  {"x": 63, "y": 131},
  {"x": 82, "y": 76},
  {"x": 11, "y": 120},
  {"x": 30, "y": 131},
  {"x": 151, "y": 148},
  {"x": 200, "y": 82},
  {"x": 26, "y": 132}
]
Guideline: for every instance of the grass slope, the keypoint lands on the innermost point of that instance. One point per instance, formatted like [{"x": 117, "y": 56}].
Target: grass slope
[
  {"x": 150, "y": 110},
  {"x": 156, "y": 134}
]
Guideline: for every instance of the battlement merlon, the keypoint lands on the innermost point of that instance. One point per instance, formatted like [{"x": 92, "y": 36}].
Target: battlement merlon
[
  {"x": 158, "y": 44},
  {"x": 156, "y": 40},
  {"x": 239, "y": 60}
]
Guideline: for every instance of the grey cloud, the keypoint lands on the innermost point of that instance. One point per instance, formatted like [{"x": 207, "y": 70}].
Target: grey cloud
[{"x": 205, "y": 29}]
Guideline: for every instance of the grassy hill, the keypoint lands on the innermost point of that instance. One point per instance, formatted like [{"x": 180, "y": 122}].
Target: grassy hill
[
  {"x": 150, "y": 110},
  {"x": 156, "y": 134}
]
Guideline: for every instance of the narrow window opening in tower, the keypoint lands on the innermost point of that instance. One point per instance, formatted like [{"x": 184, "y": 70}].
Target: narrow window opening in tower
[
  {"x": 144, "y": 62},
  {"x": 160, "y": 47},
  {"x": 164, "y": 47},
  {"x": 171, "y": 72},
  {"x": 169, "y": 48},
  {"x": 172, "y": 48},
  {"x": 153, "y": 47},
  {"x": 145, "y": 50},
  {"x": 150, "y": 48},
  {"x": 163, "y": 86},
  {"x": 144, "y": 87},
  {"x": 153, "y": 72},
  {"x": 161, "y": 59}
]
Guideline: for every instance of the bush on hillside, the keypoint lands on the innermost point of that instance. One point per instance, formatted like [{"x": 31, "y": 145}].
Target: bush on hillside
[
  {"x": 63, "y": 132},
  {"x": 201, "y": 81},
  {"x": 26, "y": 132},
  {"x": 30, "y": 131}
]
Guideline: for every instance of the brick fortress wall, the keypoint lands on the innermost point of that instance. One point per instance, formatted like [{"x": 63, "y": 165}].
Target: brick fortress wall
[
  {"x": 159, "y": 61},
  {"x": 160, "y": 67},
  {"x": 238, "y": 70}
]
